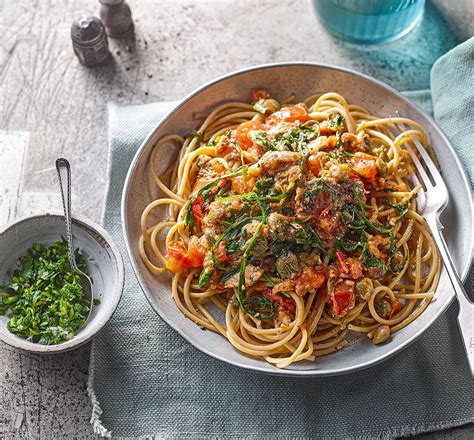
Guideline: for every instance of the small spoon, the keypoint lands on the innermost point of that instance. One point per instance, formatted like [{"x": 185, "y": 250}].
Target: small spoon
[{"x": 64, "y": 174}]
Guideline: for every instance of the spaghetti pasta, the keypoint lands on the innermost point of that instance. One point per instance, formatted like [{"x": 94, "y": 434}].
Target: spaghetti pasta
[{"x": 292, "y": 226}]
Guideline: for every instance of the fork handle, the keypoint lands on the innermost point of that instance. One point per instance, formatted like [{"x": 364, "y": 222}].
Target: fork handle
[{"x": 466, "y": 307}]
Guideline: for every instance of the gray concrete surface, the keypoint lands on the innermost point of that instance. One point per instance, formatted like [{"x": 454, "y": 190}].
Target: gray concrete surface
[{"x": 51, "y": 106}]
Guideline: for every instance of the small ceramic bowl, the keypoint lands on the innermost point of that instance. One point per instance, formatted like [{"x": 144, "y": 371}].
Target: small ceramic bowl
[{"x": 103, "y": 259}]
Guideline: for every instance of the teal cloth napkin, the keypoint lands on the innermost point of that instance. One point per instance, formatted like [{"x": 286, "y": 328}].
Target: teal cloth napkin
[
  {"x": 452, "y": 87},
  {"x": 146, "y": 380}
]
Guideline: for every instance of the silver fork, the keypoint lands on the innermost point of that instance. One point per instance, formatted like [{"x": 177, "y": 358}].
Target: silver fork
[{"x": 435, "y": 198}]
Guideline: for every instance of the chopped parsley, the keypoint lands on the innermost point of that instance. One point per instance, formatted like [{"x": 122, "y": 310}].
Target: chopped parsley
[
  {"x": 203, "y": 278},
  {"x": 44, "y": 298},
  {"x": 260, "y": 138},
  {"x": 337, "y": 121},
  {"x": 400, "y": 208}
]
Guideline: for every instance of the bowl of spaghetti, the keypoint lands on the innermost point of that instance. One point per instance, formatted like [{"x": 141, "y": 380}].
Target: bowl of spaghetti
[{"x": 277, "y": 208}]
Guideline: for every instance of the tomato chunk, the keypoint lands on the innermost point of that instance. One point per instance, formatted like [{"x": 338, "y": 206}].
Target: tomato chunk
[
  {"x": 341, "y": 261},
  {"x": 221, "y": 252},
  {"x": 193, "y": 258},
  {"x": 242, "y": 131},
  {"x": 181, "y": 258},
  {"x": 197, "y": 209},
  {"x": 280, "y": 301},
  {"x": 256, "y": 94},
  {"x": 366, "y": 168},
  {"x": 309, "y": 280},
  {"x": 351, "y": 267},
  {"x": 342, "y": 297},
  {"x": 396, "y": 307},
  {"x": 224, "y": 149},
  {"x": 355, "y": 268},
  {"x": 288, "y": 114},
  {"x": 354, "y": 176},
  {"x": 176, "y": 250},
  {"x": 315, "y": 163}
]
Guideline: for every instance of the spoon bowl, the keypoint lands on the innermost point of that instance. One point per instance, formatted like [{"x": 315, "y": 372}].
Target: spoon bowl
[{"x": 86, "y": 284}]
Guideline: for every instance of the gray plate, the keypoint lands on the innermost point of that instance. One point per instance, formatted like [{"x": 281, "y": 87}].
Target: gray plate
[{"x": 281, "y": 80}]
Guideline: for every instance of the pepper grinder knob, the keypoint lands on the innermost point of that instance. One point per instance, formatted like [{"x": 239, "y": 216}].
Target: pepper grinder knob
[{"x": 116, "y": 16}]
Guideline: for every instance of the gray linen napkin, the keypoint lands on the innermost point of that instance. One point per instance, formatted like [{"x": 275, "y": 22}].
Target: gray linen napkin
[{"x": 146, "y": 380}]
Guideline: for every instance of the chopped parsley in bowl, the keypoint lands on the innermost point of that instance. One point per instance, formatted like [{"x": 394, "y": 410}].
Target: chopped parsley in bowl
[
  {"x": 44, "y": 298},
  {"x": 42, "y": 304}
]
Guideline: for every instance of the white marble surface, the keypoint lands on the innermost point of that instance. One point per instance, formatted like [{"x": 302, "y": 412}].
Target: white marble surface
[{"x": 51, "y": 106}]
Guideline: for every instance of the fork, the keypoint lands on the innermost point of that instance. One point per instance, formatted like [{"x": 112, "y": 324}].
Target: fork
[{"x": 435, "y": 200}]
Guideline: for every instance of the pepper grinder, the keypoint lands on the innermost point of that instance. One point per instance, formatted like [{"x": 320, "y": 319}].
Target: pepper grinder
[
  {"x": 116, "y": 16},
  {"x": 89, "y": 40}
]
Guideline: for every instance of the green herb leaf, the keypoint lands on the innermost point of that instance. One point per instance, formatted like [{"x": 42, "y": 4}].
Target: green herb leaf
[
  {"x": 377, "y": 227},
  {"x": 260, "y": 307},
  {"x": 400, "y": 208},
  {"x": 269, "y": 280},
  {"x": 260, "y": 138},
  {"x": 337, "y": 121},
  {"x": 228, "y": 275},
  {"x": 243, "y": 265},
  {"x": 203, "y": 278}
]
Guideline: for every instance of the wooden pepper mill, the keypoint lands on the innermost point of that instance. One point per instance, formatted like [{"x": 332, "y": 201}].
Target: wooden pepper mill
[{"x": 116, "y": 16}]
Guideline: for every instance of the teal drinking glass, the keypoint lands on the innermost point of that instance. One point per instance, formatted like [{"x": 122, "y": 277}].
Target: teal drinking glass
[{"x": 369, "y": 21}]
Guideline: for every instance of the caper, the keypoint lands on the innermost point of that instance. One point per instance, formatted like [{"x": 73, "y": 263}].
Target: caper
[
  {"x": 259, "y": 247},
  {"x": 397, "y": 262},
  {"x": 286, "y": 264},
  {"x": 364, "y": 288},
  {"x": 381, "y": 334},
  {"x": 271, "y": 105},
  {"x": 381, "y": 153},
  {"x": 382, "y": 166},
  {"x": 383, "y": 308}
]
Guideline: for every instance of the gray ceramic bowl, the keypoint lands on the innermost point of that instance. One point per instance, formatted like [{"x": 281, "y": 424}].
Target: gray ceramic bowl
[
  {"x": 103, "y": 261},
  {"x": 282, "y": 80}
]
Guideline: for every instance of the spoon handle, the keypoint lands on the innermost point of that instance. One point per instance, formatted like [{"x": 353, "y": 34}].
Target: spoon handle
[{"x": 64, "y": 174}]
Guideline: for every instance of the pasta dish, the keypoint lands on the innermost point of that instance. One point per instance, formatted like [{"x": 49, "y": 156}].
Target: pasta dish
[{"x": 291, "y": 226}]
